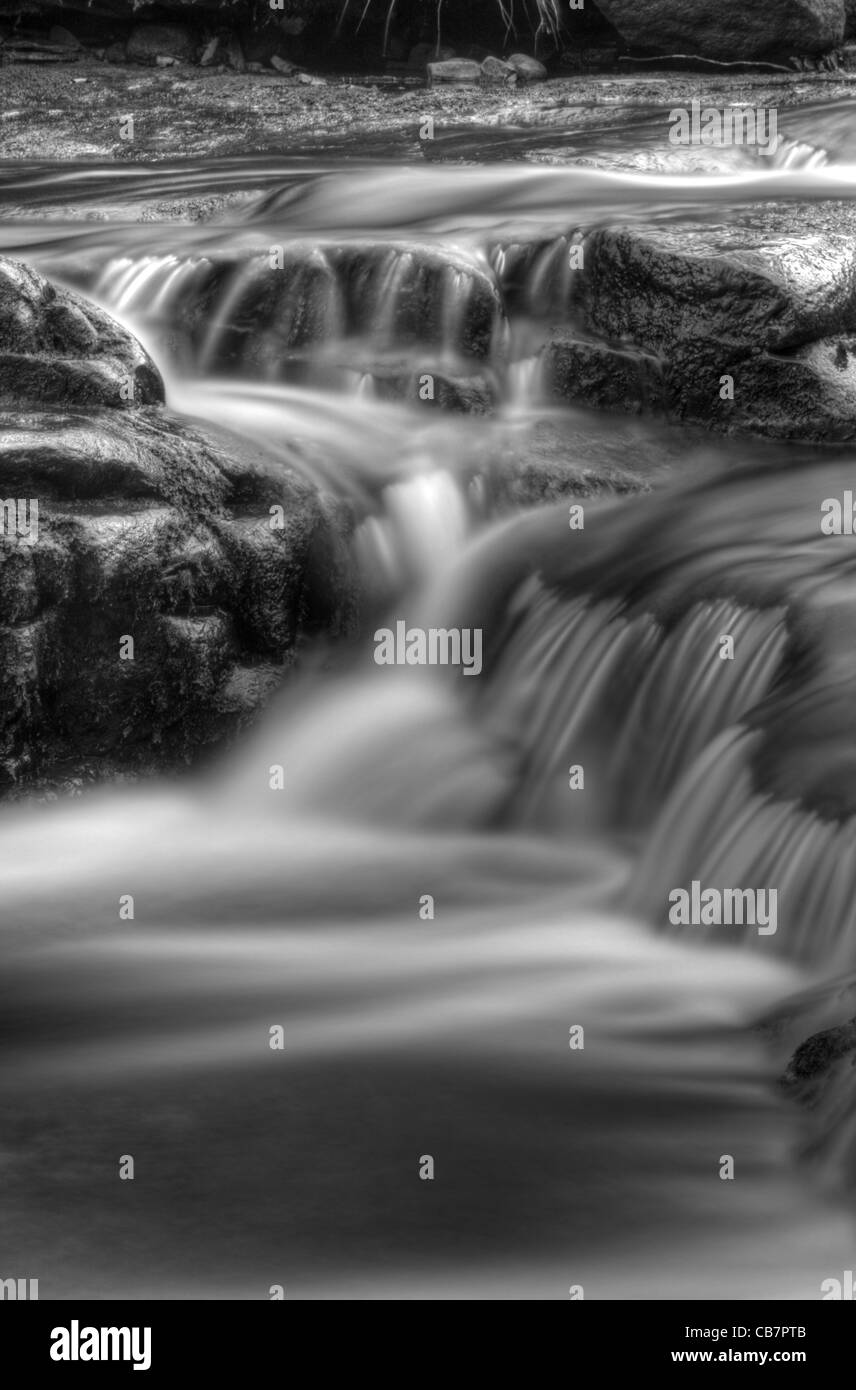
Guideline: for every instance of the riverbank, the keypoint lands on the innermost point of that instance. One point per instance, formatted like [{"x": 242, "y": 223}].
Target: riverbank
[{"x": 79, "y": 111}]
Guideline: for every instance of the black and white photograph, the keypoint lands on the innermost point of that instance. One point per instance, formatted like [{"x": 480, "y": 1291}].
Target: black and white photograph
[{"x": 428, "y": 663}]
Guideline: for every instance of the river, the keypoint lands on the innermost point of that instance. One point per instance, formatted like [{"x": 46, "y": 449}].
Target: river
[{"x": 444, "y": 1032}]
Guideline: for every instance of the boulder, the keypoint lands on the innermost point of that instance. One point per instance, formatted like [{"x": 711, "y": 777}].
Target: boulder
[
  {"x": 57, "y": 349},
  {"x": 394, "y": 296},
  {"x": 495, "y": 70},
  {"x": 776, "y": 279},
  {"x": 130, "y": 524},
  {"x": 728, "y": 29},
  {"x": 578, "y": 370},
  {"x": 527, "y": 69},
  {"x": 149, "y": 42},
  {"x": 747, "y": 326},
  {"x": 807, "y": 394}
]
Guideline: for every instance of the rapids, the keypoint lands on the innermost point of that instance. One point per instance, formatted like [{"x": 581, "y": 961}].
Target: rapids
[{"x": 445, "y": 1035}]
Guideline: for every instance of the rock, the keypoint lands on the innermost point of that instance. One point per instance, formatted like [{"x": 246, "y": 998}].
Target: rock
[
  {"x": 209, "y": 53},
  {"x": 807, "y": 394},
  {"x": 495, "y": 70},
  {"x": 454, "y": 70},
  {"x": 751, "y": 324},
  {"x": 780, "y": 279},
  {"x": 405, "y": 295},
  {"x": 56, "y": 348},
  {"x": 527, "y": 69},
  {"x": 149, "y": 42},
  {"x": 138, "y": 525},
  {"x": 728, "y": 29},
  {"x": 282, "y": 64},
  {"x": 62, "y": 36},
  {"x": 817, "y": 1054},
  {"x": 565, "y": 457},
  {"x": 577, "y": 370},
  {"x": 156, "y": 530},
  {"x": 465, "y": 395}
]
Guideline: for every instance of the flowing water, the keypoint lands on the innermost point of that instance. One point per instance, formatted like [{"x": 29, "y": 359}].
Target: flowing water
[{"x": 406, "y": 1034}]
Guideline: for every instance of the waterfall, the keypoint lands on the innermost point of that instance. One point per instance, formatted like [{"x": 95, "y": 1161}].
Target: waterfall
[{"x": 430, "y": 883}]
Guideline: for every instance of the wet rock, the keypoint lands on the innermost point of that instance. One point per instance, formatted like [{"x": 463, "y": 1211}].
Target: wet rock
[
  {"x": 148, "y": 529},
  {"x": 751, "y": 321},
  {"x": 729, "y": 29},
  {"x": 56, "y": 348},
  {"x": 454, "y": 70},
  {"x": 777, "y": 281},
  {"x": 808, "y": 393},
  {"x": 587, "y": 372},
  {"x": 466, "y": 395},
  {"x": 149, "y": 42},
  {"x": 527, "y": 69},
  {"x": 132, "y": 524},
  {"x": 397, "y": 295},
  {"x": 549, "y": 463},
  {"x": 817, "y": 1054}
]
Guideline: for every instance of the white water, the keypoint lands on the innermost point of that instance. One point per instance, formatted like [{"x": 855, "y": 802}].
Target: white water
[{"x": 300, "y": 907}]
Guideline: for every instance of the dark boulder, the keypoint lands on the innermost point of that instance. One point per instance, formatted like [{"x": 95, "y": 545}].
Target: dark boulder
[
  {"x": 578, "y": 370},
  {"x": 154, "y": 575},
  {"x": 148, "y": 42},
  {"x": 728, "y": 29},
  {"x": 752, "y": 322},
  {"x": 58, "y": 349}
]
